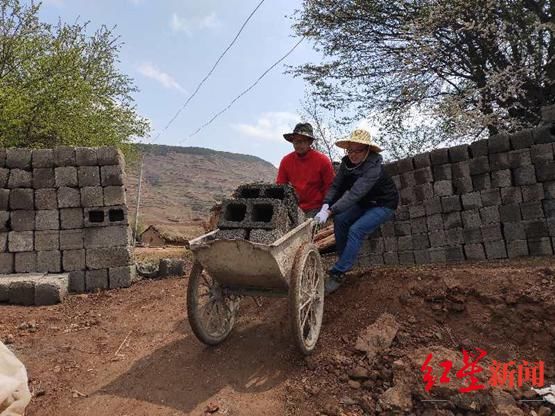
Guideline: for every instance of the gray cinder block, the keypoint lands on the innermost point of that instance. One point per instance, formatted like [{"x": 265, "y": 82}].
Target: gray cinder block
[
  {"x": 549, "y": 207},
  {"x": 420, "y": 241},
  {"x": 479, "y": 148},
  {"x": 518, "y": 158},
  {"x": 47, "y": 240},
  {"x": 474, "y": 252},
  {"x": 391, "y": 168},
  {"x": 479, "y": 165},
  {"x": 545, "y": 170},
  {"x": 3, "y": 242},
  {"x": 471, "y": 219},
  {"x": 66, "y": 176},
  {"x": 402, "y": 213},
  {"x": 432, "y": 206},
  {"x": 73, "y": 260},
  {"x": 405, "y": 243},
  {"x": 501, "y": 178},
  {"x": 454, "y": 254},
  {"x": 111, "y": 175},
  {"x": 540, "y": 247},
  {"x": 499, "y": 143},
  {"x": 77, "y": 281},
  {"x": 98, "y": 258},
  {"x": 490, "y": 215},
  {"x": 439, "y": 156},
  {"x": 481, "y": 182},
  {"x": 525, "y": 175},
  {"x": 4, "y": 199},
  {"x": 6, "y": 263},
  {"x": 454, "y": 237},
  {"x": 459, "y": 153},
  {"x": 421, "y": 256},
  {"x": 49, "y": 261},
  {"x": 535, "y": 229},
  {"x": 88, "y": 175},
  {"x": 17, "y": 158},
  {"x": 491, "y": 232},
  {"x": 517, "y": 248},
  {"x": 407, "y": 196},
  {"x": 20, "y": 179},
  {"x": 423, "y": 192},
  {"x": 96, "y": 279},
  {"x": 544, "y": 134},
  {"x": 422, "y": 160},
  {"x": 391, "y": 258},
  {"x": 22, "y": 292},
  {"x": 451, "y": 203},
  {"x": 71, "y": 218},
  {"x": 50, "y": 290},
  {"x": 472, "y": 235},
  {"x": 513, "y": 231},
  {"x": 435, "y": 222},
  {"x": 264, "y": 236},
  {"x": 22, "y": 220},
  {"x": 402, "y": 228},
  {"x": 509, "y": 213},
  {"x": 46, "y": 198},
  {"x": 512, "y": 195},
  {"x": 21, "y": 199},
  {"x": 92, "y": 196},
  {"x": 419, "y": 226},
  {"x": 495, "y": 249},
  {"x": 25, "y": 262},
  {"x": 376, "y": 245},
  {"x": 452, "y": 220},
  {"x": 499, "y": 161},
  {"x": 232, "y": 234},
  {"x": 104, "y": 216},
  {"x": 442, "y": 172},
  {"x": 20, "y": 241},
  {"x": 407, "y": 180},
  {"x": 490, "y": 197},
  {"x": 462, "y": 185},
  {"x": 531, "y": 210},
  {"x": 69, "y": 197},
  {"x": 121, "y": 276},
  {"x": 71, "y": 239},
  {"x": 443, "y": 188},
  {"x": 417, "y": 211},
  {"x": 64, "y": 156},
  {"x": 390, "y": 243},
  {"x": 438, "y": 255},
  {"x": 541, "y": 153},
  {"x": 86, "y": 156},
  {"x": 388, "y": 230},
  {"x": 43, "y": 158},
  {"x": 43, "y": 178},
  {"x": 437, "y": 238},
  {"x": 96, "y": 237},
  {"x": 522, "y": 139},
  {"x": 460, "y": 169},
  {"x": 47, "y": 220},
  {"x": 114, "y": 195},
  {"x": 471, "y": 200},
  {"x": 2, "y": 158},
  {"x": 4, "y": 221},
  {"x": 109, "y": 156},
  {"x": 423, "y": 175},
  {"x": 405, "y": 165},
  {"x": 406, "y": 257},
  {"x": 4, "y": 176}
]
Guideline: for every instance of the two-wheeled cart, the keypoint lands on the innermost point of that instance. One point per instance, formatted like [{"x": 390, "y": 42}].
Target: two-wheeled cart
[{"x": 226, "y": 270}]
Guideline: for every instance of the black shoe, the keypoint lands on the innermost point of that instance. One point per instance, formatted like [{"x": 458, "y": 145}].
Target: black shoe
[{"x": 334, "y": 280}]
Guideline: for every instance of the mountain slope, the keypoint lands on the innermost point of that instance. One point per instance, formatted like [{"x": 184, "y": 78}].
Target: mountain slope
[{"x": 182, "y": 183}]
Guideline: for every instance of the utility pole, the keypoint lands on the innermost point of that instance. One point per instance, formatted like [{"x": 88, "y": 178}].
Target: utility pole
[{"x": 138, "y": 200}]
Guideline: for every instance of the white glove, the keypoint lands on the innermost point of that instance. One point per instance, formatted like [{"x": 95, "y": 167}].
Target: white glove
[{"x": 323, "y": 215}]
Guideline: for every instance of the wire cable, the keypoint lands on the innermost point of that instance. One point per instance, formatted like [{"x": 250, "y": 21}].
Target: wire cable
[{"x": 208, "y": 74}]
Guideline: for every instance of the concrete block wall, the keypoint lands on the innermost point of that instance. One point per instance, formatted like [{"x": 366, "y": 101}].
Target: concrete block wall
[
  {"x": 64, "y": 210},
  {"x": 491, "y": 199},
  {"x": 260, "y": 213}
]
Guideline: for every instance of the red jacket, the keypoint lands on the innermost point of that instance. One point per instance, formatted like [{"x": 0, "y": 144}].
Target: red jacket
[{"x": 311, "y": 175}]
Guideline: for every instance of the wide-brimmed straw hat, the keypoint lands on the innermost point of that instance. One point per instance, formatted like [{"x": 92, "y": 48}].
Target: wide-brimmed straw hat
[
  {"x": 301, "y": 129},
  {"x": 359, "y": 136}
]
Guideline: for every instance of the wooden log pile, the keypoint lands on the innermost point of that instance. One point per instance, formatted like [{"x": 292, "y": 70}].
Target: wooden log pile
[{"x": 325, "y": 238}]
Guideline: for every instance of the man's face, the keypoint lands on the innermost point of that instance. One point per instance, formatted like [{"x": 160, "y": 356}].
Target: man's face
[
  {"x": 301, "y": 144},
  {"x": 356, "y": 152}
]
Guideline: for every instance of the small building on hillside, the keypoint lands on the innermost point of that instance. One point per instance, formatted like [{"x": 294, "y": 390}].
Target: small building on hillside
[{"x": 160, "y": 235}]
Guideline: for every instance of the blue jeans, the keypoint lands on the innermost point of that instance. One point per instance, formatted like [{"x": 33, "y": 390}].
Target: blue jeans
[{"x": 350, "y": 228}]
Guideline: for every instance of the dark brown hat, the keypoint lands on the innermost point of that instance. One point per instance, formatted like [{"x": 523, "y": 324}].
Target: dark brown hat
[{"x": 302, "y": 129}]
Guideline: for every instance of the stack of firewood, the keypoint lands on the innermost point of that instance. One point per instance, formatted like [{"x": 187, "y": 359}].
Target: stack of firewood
[{"x": 325, "y": 238}]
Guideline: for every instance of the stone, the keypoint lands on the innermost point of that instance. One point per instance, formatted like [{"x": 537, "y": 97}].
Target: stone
[
  {"x": 21, "y": 199},
  {"x": 111, "y": 236},
  {"x": 64, "y": 156},
  {"x": 439, "y": 156},
  {"x": 451, "y": 203},
  {"x": 20, "y": 179},
  {"x": 77, "y": 281},
  {"x": 501, "y": 178},
  {"x": 499, "y": 161},
  {"x": 495, "y": 249},
  {"x": 46, "y": 199},
  {"x": 462, "y": 185},
  {"x": 378, "y": 336},
  {"x": 121, "y": 276},
  {"x": 474, "y": 251},
  {"x": 525, "y": 175},
  {"x": 109, "y": 156},
  {"x": 517, "y": 248},
  {"x": 472, "y": 235},
  {"x": 47, "y": 220},
  {"x": 52, "y": 289},
  {"x": 531, "y": 210},
  {"x": 71, "y": 218},
  {"x": 4, "y": 177},
  {"x": 479, "y": 148},
  {"x": 499, "y": 143},
  {"x": 541, "y": 153},
  {"x": 22, "y": 220},
  {"x": 540, "y": 247},
  {"x": 69, "y": 197},
  {"x": 66, "y": 176},
  {"x": 481, "y": 182},
  {"x": 490, "y": 215},
  {"x": 49, "y": 261},
  {"x": 92, "y": 196},
  {"x": 20, "y": 241},
  {"x": 18, "y": 158},
  {"x": 73, "y": 260},
  {"x": 422, "y": 160},
  {"x": 512, "y": 195},
  {"x": 513, "y": 231},
  {"x": 22, "y": 292},
  {"x": 443, "y": 188},
  {"x": 4, "y": 221},
  {"x": 98, "y": 258},
  {"x": 25, "y": 262},
  {"x": 43, "y": 178},
  {"x": 6, "y": 263},
  {"x": 459, "y": 153},
  {"x": 471, "y": 219},
  {"x": 86, "y": 156},
  {"x": 114, "y": 195},
  {"x": 4, "y": 199},
  {"x": 479, "y": 165},
  {"x": 47, "y": 240},
  {"x": 71, "y": 239},
  {"x": 88, "y": 175},
  {"x": 442, "y": 172},
  {"x": 111, "y": 175},
  {"x": 491, "y": 232},
  {"x": 522, "y": 139},
  {"x": 42, "y": 158},
  {"x": 96, "y": 279}
]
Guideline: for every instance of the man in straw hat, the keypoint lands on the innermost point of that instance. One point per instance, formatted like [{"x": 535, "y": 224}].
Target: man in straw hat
[
  {"x": 361, "y": 198},
  {"x": 307, "y": 170}
]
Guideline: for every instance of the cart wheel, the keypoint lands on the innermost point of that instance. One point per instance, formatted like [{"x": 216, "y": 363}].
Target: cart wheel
[
  {"x": 306, "y": 297},
  {"x": 210, "y": 311}
]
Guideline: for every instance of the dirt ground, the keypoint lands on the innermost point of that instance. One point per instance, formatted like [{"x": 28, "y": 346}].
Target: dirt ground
[{"x": 131, "y": 351}]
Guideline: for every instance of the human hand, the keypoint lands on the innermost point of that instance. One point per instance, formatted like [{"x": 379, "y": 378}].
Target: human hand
[{"x": 323, "y": 215}]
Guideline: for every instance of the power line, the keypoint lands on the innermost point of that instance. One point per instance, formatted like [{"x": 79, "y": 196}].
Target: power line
[
  {"x": 209, "y": 72},
  {"x": 244, "y": 92}
]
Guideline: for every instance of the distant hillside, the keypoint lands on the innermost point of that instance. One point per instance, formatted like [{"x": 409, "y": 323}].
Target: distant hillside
[{"x": 181, "y": 183}]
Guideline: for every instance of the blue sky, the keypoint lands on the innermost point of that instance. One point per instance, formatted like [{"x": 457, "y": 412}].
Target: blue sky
[{"x": 169, "y": 47}]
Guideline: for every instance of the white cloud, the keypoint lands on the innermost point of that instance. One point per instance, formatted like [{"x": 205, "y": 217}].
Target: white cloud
[
  {"x": 191, "y": 24},
  {"x": 151, "y": 71},
  {"x": 269, "y": 126}
]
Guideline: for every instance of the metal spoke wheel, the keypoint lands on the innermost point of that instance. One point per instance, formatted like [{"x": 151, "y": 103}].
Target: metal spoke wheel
[
  {"x": 306, "y": 297},
  {"x": 210, "y": 310}
]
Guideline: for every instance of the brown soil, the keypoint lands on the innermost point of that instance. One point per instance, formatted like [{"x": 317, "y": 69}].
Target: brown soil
[{"x": 131, "y": 351}]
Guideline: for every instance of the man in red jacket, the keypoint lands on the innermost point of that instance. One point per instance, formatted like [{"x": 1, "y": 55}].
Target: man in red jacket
[{"x": 307, "y": 170}]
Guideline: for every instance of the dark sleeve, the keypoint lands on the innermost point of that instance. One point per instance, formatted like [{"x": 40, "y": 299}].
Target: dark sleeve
[
  {"x": 333, "y": 191},
  {"x": 360, "y": 188}
]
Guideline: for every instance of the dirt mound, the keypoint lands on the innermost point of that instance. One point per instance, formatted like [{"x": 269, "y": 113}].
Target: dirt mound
[{"x": 505, "y": 309}]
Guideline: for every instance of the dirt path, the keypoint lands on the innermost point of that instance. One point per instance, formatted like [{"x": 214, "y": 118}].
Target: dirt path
[{"x": 161, "y": 369}]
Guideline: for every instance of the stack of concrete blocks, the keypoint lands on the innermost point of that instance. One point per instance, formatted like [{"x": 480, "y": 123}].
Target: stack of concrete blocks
[
  {"x": 64, "y": 210},
  {"x": 492, "y": 199},
  {"x": 260, "y": 213}
]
